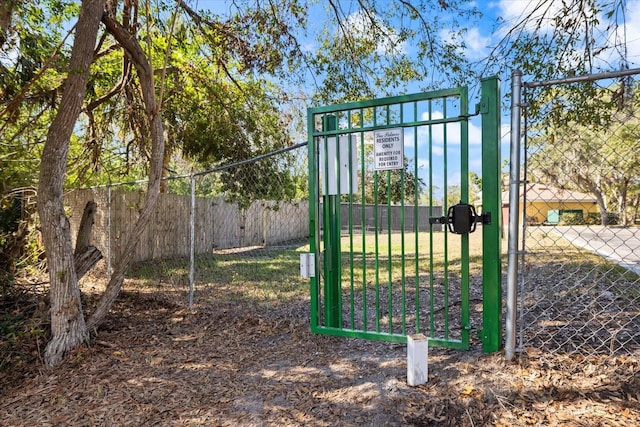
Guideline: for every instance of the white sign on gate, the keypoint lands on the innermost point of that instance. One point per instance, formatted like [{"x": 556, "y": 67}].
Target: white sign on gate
[
  {"x": 388, "y": 149},
  {"x": 341, "y": 165}
]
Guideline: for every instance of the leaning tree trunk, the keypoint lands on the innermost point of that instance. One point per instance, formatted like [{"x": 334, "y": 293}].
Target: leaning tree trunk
[
  {"x": 152, "y": 109},
  {"x": 67, "y": 321}
]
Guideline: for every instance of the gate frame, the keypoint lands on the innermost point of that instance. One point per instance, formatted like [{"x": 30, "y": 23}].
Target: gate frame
[{"x": 489, "y": 108}]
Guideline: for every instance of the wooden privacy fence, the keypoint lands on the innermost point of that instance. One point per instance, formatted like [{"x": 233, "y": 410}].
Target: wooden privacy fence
[
  {"x": 217, "y": 224},
  {"x": 401, "y": 217}
]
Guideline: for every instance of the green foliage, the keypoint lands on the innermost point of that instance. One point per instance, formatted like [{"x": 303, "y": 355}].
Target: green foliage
[
  {"x": 592, "y": 219},
  {"x": 19, "y": 243},
  {"x": 364, "y": 53},
  {"x": 602, "y": 159},
  {"x": 32, "y": 63},
  {"x": 557, "y": 40},
  {"x": 393, "y": 185},
  {"x": 454, "y": 191},
  {"x": 265, "y": 181},
  {"x": 613, "y": 218},
  {"x": 399, "y": 185},
  {"x": 10, "y": 217},
  {"x": 571, "y": 218},
  {"x": 242, "y": 123}
]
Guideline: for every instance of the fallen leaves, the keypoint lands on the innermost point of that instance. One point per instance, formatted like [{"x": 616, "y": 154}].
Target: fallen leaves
[{"x": 260, "y": 365}]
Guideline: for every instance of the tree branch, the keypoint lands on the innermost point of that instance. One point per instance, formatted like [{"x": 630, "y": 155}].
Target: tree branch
[{"x": 136, "y": 54}]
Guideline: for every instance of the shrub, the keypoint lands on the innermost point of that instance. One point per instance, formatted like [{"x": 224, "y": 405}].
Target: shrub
[
  {"x": 571, "y": 218},
  {"x": 592, "y": 219},
  {"x": 613, "y": 218}
]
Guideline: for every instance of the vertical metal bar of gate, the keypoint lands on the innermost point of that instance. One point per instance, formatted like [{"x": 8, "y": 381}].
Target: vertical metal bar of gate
[
  {"x": 464, "y": 243},
  {"x": 432, "y": 326},
  {"x": 416, "y": 226},
  {"x": 445, "y": 208}
]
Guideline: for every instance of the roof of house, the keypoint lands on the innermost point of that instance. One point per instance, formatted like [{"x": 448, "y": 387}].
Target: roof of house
[{"x": 537, "y": 192}]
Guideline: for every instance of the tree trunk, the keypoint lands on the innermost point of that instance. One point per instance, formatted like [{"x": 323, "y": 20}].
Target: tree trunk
[
  {"x": 595, "y": 189},
  {"x": 166, "y": 161},
  {"x": 635, "y": 205},
  {"x": 83, "y": 262},
  {"x": 86, "y": 256},
  {"x": 6, "y": 10},
  {"x": 83, "y": 240},
  {"x": 145, "y": 74},
  {"x": 622, "y": 201},
  {"x": 602, "y": 206},
  {"x": 67, "y": 321}
]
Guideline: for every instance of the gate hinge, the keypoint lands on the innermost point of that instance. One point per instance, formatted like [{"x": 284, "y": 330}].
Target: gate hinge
[{"x": 307, "y": 265}]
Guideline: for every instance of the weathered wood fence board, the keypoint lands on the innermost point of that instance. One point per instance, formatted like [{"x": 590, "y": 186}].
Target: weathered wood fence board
[{"x": 218, "y": 224}]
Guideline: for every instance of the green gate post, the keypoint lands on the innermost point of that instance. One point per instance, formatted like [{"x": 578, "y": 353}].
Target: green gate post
[
  {"x": 491, "y": 202},
  {"x": 314, "y": 218},
  {"x": 333, "y": 254}
]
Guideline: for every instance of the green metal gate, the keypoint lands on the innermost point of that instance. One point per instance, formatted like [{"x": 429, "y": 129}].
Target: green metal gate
[{"x": 389, "y": 247}]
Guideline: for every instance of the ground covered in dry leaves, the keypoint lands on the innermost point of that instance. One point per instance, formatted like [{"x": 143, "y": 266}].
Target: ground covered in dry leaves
[{"x": 233, "y": 362}]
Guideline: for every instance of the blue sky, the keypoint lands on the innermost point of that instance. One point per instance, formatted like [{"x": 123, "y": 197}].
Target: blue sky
[{"x": 482, "y": 34}]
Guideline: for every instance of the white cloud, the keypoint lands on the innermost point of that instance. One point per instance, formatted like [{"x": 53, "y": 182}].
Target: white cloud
[
  {"x": 423, "y": 164},
  {"x": 423, "y": 140},
  {"x": 478, "y": 46},
  {"x": 538, "y": 15},
  {"x": 453, "y": 132},
  {"x": 309, "y": 47},
  {"x": 505, "y": 133},
  {"x": 632, "y": 29},
  {"x": 514, "y": 11},
  {"x": 359, "y": 23},
  {"x": 544, "y": 11},
  {"x": 475, "y": 164}
]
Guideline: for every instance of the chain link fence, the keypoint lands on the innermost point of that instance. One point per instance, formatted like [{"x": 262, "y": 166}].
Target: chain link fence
[
  {"x": 241, "y": 223},
  {"x": 579, "y": 194}
]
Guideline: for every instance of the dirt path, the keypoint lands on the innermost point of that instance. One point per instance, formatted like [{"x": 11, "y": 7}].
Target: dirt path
[{"x": 241, "y": 364}]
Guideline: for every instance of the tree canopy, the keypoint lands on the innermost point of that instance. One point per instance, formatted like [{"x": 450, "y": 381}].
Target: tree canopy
[{"x": 600, "y": 157}]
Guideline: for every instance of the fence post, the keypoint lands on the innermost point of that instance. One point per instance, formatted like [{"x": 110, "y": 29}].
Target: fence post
[
  {"x": 192, "y": 236},
  {"x": 514, "y": 207},
  {"x": 108, "y": 232},
  {"x": 332, "y": 227},
  {"x": 491, "y": 202}
]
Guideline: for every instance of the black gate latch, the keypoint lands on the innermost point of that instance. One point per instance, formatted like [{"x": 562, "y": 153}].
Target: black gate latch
[{"x": 462, "y": 219}]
